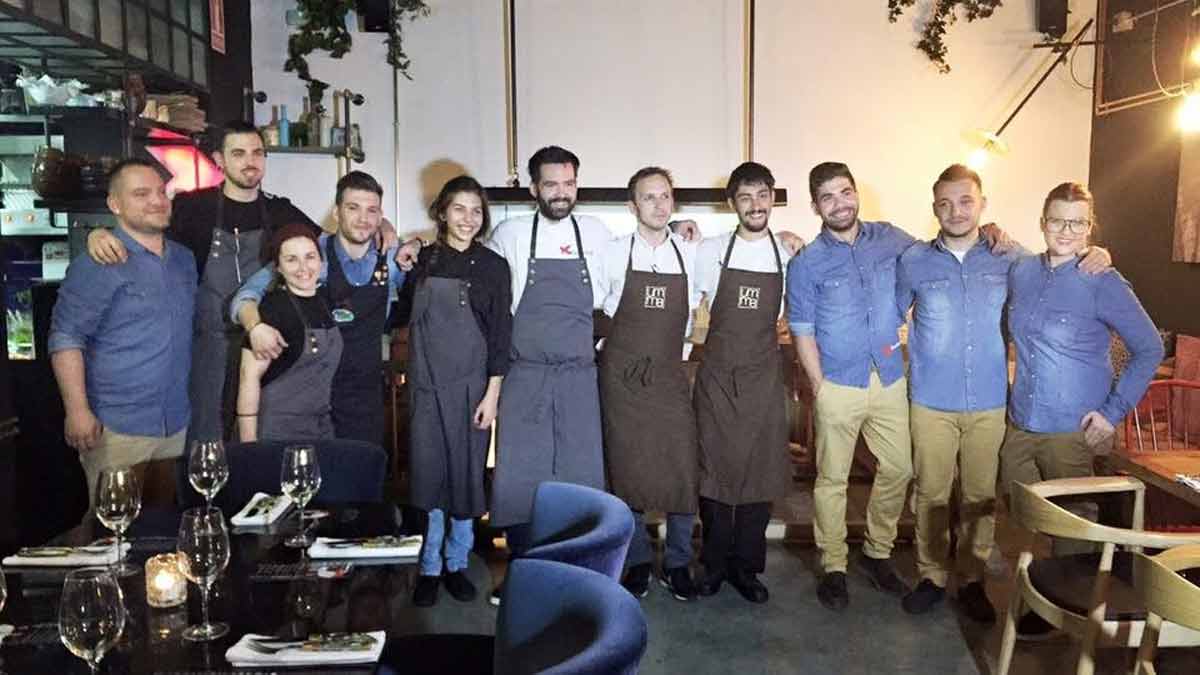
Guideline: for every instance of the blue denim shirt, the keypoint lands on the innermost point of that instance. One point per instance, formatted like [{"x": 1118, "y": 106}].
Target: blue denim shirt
[
  {"x": 133, "y": 323},
  {"x": 845, "y": 296},
  {"x": 1060, "y": 319},
  {"x": 358, "y": 273},
  {"x": 957, "y": 355}
]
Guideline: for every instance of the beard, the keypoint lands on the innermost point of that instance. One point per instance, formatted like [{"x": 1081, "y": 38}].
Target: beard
[
  {"x": 243, "y": 183},
  {"x": 844, "y": 225},
  {"x": 745, "y": 222},
  {"x": 556, "y": 209},
  {"x": 969, "y": 232}
]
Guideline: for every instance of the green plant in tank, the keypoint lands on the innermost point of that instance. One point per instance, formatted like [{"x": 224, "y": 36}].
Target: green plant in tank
[{"x": 944, "y": 14}]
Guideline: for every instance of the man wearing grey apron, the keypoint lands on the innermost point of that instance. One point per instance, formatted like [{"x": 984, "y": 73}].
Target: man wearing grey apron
[
  {"x": 649, "y": 424},
  {"x": 225, "y": 228},
  {"x": 739, "y": 395},
  {"x": 549, "y": 419}
]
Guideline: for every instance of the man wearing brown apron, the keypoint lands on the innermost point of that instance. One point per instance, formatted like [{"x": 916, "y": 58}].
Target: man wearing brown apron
[
  {"x": 739, "y": 395},
  {"x": 649, "y": 425}
]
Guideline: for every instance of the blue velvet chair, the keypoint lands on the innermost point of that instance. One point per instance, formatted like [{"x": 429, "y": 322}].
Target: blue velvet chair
[
  {"x": 351, "y": 471},
  {"x": 561, "y": 619},
  {"x": 580, "y": 526}
]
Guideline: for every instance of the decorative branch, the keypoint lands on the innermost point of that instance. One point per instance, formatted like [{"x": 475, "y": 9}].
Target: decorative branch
[
  {"x": 401, "y": 10},
  {"x": 944, "y": 15}
]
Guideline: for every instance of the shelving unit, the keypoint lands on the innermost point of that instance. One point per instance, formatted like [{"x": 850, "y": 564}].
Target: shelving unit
[{"x": 333, "y": 150}]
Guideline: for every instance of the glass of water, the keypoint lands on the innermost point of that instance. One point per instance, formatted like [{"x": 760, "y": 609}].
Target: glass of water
[
  {"x": 300, "y": 478},
  {"x": 208, "y": 468}
]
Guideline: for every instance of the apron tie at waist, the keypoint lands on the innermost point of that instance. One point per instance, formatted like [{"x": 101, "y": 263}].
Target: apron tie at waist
[{"x": 544, "y": 399}]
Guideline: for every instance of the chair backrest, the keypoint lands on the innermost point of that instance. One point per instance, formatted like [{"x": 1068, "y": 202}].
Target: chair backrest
[
  {"x": 1165, "y": 592},
  {"x": 558, "y": 619},
  {"x": 351, "y": 471},
  {"x": 1165, "y": 418},
  {"x": 580, "y": 526}
]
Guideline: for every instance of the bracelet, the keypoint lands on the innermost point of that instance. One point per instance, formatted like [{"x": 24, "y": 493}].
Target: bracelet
[{"x": 256, "y": 325}]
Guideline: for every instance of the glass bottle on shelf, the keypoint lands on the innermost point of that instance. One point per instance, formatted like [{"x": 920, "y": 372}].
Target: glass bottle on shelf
[
  {"x": 285, "y": 127},
  {"x": 270, "y": 132}
]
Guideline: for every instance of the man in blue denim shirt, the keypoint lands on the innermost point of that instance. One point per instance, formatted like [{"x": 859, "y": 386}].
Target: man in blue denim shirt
[{"x": 121, "y": 337}]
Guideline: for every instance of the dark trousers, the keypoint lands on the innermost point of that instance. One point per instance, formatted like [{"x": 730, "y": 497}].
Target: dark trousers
[
  {"x": 519, "y": 538},
  {"x": 735, "y": 537}
]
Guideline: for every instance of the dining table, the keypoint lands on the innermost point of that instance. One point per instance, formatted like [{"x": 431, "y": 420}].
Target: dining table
[
  {"x": 267, "y": 589},
  {"x": 1170, "y": 503}
]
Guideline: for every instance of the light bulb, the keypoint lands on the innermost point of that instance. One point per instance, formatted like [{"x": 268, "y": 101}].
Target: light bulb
[
  {"x": 978, "y": 158},
  {"x": 1189, "y": 113}
]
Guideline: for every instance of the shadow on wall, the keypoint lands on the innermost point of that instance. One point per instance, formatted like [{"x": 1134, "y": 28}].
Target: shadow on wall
[{"x": 430, "y": 181}]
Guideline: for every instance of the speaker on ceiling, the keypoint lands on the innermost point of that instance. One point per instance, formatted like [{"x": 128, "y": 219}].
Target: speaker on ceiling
[
  {"x": 1052, "y": 17},
  {"x": 374, "y": 14}
]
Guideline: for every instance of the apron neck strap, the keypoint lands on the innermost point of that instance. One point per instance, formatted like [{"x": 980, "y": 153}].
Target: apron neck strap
[
  {"x": 299, "y": 311},
  {"x": 533, "y": 238},
  {"x": 678, "y": 255},
  {"x": 729, "y": 250}
]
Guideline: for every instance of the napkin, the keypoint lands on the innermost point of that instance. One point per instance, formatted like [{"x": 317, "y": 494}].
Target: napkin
[
  {"x": 366, "y": 547},
  {"x": 5, "y": 631},
  {"x": 1192, "y": 481},
  {"x": 318, "y": 650},
  {"x": 65, "y": 556},
  {"x": 262, "y": 509}
]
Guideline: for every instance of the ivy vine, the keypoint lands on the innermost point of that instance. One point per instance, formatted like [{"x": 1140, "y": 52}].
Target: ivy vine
[
  {"x": 944, "y": 15},
  {"x": 324, "y": 29}
]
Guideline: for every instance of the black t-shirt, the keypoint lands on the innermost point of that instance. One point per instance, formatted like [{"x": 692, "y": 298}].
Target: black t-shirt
[
  {"x": 490, "y": 294},
  {"x": 194, "y": 215},
  {"x": 277, "y": 311}
]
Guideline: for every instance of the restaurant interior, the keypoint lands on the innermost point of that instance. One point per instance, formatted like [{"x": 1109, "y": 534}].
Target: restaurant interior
[{"x": 1029, "y": 94}]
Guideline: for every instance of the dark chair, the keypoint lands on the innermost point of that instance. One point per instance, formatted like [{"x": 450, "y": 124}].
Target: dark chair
[
  {"x": 351, "y": 471},
  {"x": 580, "y": 526},
  {"x": 562, "y": 619}
]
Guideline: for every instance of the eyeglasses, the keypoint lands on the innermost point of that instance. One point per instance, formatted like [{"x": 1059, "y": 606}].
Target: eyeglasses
[{"x": 1056, "y": 225}]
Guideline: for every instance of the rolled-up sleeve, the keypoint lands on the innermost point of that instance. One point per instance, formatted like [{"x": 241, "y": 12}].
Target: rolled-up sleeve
[
  {"x": 252, "y": 291},
  {"x": 801, "y": 295},
  {"x": 83, "y": 301},
  {"x": 1118, "y": 307}
]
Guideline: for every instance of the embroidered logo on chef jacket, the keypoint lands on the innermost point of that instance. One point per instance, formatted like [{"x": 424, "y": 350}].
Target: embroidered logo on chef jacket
[
  {"x": 748, "y": 297},
  {"x": 656, "y": 297},
  {"x": 565, "y": 249}
]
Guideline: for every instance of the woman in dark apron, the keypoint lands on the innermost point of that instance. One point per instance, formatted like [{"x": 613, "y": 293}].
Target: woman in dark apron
[
  {"x": 288, "y": 398},
  {"x": 457, "y": 303}
]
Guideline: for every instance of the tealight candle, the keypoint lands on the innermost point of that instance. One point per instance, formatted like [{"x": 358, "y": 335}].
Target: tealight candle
[{"x": 165, "y": 584}]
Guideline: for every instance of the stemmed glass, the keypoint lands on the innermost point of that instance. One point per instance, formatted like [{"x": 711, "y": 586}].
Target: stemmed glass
[
  {"x": 208, "y": 470},
  {"x": 118, "y": 503},
  {"x": 91, "y": 614},
  {"x": 300, "y": 478},
  {"x": 204, "y": 553}
]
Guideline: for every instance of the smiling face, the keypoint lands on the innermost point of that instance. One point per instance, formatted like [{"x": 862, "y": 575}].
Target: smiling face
[
  {"x": 653, "y": 202},
  {"x": 1066, "y": 216},
  {"x": 243, "y": 159},
  {"x": 958, "y": 205},
  {"x": 836, "y": 202},
  {"x": 299, "y": 262},
  {"x": 752, "y": 202},
  {"x": 138, "y": 197},
  {"x": 462, "y": 219},
  {"x": 358, "y": 214},
  {"x": 555, "y": 190}
]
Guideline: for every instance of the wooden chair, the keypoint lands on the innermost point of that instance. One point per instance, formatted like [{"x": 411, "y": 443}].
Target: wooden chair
[
  {"x": 1161, "y": 420},
  {"x": 1172, "y": 601},
  {"x": 1090, "y": 596}
]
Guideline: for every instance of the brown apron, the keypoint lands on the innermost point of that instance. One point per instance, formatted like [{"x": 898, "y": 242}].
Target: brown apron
[
  {"x": 740, "y": 396},
  {"x": 649, "y": 425}
]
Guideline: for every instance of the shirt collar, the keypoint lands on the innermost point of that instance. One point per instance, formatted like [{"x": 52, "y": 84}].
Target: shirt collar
[
  {"x": 1070, "y": 264},
  {"x": 134, "y": 246},
  {"x": 637, "y": 236},
  {"x": 940, "y": 243},
  {"x": 864, "y": 232}
]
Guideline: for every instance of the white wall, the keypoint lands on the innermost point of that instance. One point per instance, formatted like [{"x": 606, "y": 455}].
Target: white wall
[{"x": 626, "y": 83}]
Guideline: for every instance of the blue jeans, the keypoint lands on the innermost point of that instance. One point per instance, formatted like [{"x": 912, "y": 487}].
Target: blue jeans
[
  {"x": 458, "y": 546},
  {"x": 678, "y": 551}
]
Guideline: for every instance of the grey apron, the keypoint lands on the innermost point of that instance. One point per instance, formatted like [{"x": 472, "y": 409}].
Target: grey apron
[
  {"x": 447, "y": 377},
  {"x": 296, "y": 405},
  {"x": 217, "y": 341},
  {"x": 649, "y": 424},
  {"x": 548, "y": 427},
  {"x": 740, "y": 396}
]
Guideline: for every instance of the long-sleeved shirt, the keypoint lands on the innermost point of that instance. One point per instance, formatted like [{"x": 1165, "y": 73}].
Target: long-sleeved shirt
[
  {"x": 358, "y": 273},
  {"x": 957, "y": 355},
  {"x": 615, "y": 259},
  {"x": 1060, "y": 319},
  {"x": 489, "y": 295},
  {"x": 845, "y": 295},
  {"x": 133, "y": 323},
  {"x": 556, "y": 240}
]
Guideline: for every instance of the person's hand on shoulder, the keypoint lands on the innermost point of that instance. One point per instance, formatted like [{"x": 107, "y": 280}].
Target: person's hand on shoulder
[
  {"x": 998, "y": 240},
  {"x": 688, "y": 230},
  {"x": 791, "y": 241},
  {"x": 406, "y": 255},
  {"x": 104, "y": 247},
  {"x": 1096, "y": 261}
]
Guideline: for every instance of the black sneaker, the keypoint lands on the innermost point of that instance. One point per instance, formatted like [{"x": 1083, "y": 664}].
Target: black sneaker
[
  {"x": 426, "y": 591},
  {"x": 678, "y": 580},
  {"x": 637, "y": 580},
  {"x": 710, "y": 584},
  {"x": 1033, "y": 628},
  {"x": 459, "y": 586},
  {"x": 497, "y": 592},
  {"x": 882, "y": 575},
  {"x": 975, "y": 604},
  {"x": 749, "y": 586},
  {"x": 831, "y": 591},
  {"x": 924, "y": 597}
]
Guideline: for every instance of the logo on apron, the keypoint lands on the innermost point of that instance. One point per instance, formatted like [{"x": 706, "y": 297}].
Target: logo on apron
[
  {"x": 748, "y": 297},
  {"x": 656, "y": 297}
]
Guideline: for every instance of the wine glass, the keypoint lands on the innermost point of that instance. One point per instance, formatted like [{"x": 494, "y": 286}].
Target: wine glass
[
  {"x": 91, "y": 614},
  {"x": 118, "y": 503},
  {"x": 300, "y": 478},
  {"x": 208, "y": 470},
  {"x": 203, "y": 554}
]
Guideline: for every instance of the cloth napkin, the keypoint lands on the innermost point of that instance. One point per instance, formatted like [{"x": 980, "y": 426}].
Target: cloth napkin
[
  {"x": 5, "y": 631},
  {"x": 375, "y": 547},
  {"x": 65, "y": 556},
  {"x": 311, "y": 653},
  {"x": 1192, "y": 481},
  {"x": 262, "y": 509}
]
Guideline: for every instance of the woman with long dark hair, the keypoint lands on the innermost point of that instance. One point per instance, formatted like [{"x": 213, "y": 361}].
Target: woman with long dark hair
[{"x": 457, "y": 303}]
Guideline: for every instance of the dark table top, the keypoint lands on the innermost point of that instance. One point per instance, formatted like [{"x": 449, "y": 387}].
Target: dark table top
[{"x": 264, "y": 590}]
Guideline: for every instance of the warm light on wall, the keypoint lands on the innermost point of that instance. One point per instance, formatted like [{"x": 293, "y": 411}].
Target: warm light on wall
[
  {"x": 1196, "y": 55},
  {"x": 977, "y": 159},
  {"x": 1189, "y": 113}
]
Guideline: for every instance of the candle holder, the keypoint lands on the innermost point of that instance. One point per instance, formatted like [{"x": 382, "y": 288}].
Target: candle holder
[{"x": 165, "y": 583}]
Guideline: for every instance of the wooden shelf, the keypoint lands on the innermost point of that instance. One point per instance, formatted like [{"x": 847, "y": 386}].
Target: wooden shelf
[
  {"x": 306, "y": 150},
  {"x": 95, "y": 204},
  {"x": 615, "y": 195}
]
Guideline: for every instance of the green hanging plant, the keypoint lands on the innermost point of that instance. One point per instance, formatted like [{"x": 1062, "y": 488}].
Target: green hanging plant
[
  {"x": 401, "y": 10},
  {"x": 944, "y": 15}
]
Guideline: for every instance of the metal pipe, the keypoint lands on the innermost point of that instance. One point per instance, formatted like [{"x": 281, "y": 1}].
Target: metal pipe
[
  {"x": 749, "y": 74},
  {"x": 1061, "y": 57},
  {"x": 510, "y": 90},
  {"x": 395, "y": 159}
]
